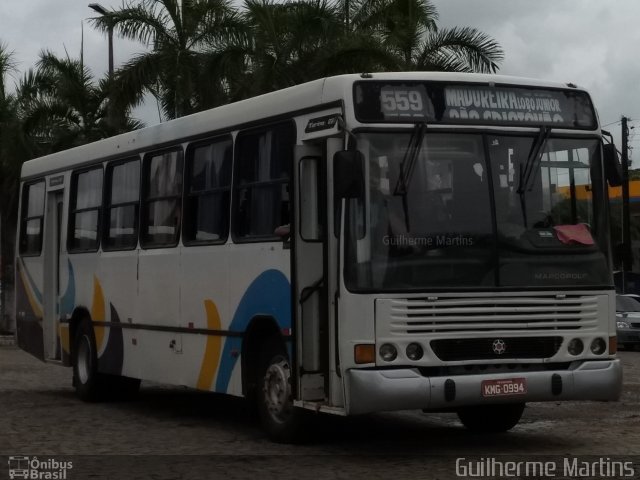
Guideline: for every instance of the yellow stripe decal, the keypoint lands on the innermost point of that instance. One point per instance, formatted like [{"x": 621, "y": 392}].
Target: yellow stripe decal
[
  {"x": 211, "y": 358},
  {"x": 98, "y": 312},
  {"x": 63, "y": 332}
]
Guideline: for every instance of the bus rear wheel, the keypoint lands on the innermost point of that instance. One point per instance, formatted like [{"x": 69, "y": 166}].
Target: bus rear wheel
[
  {"x": 491, "y": 418},
  {"x": 88, "y": 382},
  {"x": 280, "y": 419}
]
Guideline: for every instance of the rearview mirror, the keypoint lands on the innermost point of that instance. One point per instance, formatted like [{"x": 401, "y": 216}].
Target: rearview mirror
[
  {"x": 348, "y": 174},
  {"x": 612, "y": 166}
]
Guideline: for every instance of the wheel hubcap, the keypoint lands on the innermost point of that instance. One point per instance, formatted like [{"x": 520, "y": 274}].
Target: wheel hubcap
[
  {"x": 84, "y": 360},
  {"x": 277, "y": 390}
]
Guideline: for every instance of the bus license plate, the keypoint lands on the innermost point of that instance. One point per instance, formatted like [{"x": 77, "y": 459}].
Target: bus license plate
[{"x": 507, "y": 386}]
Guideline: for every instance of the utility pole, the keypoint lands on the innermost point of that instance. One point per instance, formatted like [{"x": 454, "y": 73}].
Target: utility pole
[
  {"x": 103, "y": 11},
  {"x": 627, "y": 263},
  {"x": 111, "y": 121}
]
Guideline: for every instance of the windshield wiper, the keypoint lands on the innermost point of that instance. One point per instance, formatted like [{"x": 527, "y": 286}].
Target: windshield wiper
[
  {"x": 408, "y": 165},
  {"x": 530, "y": 170}
]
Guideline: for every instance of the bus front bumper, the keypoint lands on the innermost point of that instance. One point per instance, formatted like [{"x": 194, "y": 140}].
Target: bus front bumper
[{"x": 406, "y": 389}]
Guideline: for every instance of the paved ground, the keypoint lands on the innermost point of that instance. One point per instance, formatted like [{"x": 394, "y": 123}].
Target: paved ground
[{"x": 212, "y": 436}]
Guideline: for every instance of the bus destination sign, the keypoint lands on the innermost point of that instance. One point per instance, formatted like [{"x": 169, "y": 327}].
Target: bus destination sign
[
  {"x": 472, "y": 104},
  {"x": 509, "y": 105}
]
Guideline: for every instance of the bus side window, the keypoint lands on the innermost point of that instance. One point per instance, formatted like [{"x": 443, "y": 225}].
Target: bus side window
[
  {"x": 208, "y": 179},
  {"x": 162, "y": 197},
  {"x": 31, "y": 222},
  {"x": 261, "y": 182},
  {"x": 84, "y": 211},
  {"x": 122, "y": 205},
  {"x": 311, "y": 227}
]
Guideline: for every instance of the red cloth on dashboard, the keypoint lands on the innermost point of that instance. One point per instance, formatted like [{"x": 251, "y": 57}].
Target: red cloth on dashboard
[{"x": 574, "y": 234}]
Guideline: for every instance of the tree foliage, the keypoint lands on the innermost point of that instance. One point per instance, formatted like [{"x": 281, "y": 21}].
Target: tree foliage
[
  {"x": 194, "y": 48},
  {"x": 62, "y": 106},
  {"x": 204, "y": 53}
]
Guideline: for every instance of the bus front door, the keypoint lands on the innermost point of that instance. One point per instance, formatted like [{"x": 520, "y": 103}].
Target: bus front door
[
  {"x": 51, "y": 284},
  {"x": 309, "y": 277}
]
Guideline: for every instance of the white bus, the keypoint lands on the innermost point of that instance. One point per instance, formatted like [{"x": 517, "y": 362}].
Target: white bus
[{"x": 355, "y": 244}]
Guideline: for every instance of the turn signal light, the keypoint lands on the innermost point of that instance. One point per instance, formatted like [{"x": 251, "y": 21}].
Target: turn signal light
[
  {"x": 365, "y": 353},
  {"x": 613, "y": 345}
]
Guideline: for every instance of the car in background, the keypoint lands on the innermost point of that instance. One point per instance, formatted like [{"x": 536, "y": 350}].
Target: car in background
[
  {"x": 628, "y": 321},
  {"x": 631, "y": 295}
]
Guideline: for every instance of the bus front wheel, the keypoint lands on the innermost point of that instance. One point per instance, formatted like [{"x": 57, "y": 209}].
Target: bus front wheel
[
  {"x": 491, "y": 418},
  {"x": 280, "y": 419}
]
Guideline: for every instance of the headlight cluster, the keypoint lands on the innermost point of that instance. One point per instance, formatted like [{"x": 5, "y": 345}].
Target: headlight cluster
[
  {"x": 621, "y": 324},
  {"x": 576, "y": 347},
  {"x": 598, "y": 346},
  {"x": 414, "y": 351},
  {"x": 389, "y": 353}
]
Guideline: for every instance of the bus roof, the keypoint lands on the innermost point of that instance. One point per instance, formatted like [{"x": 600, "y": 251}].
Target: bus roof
[{"x": 297, "y": 98}]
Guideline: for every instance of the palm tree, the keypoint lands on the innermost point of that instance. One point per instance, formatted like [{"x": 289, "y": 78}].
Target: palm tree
[
  {"x": 13, "y": 151},
  {"x": 192, "y": 53},
  {"x": 205, "y": 53},
  {"x": 62, "y": 106},
  {"x": 298, "y": 41},
  {"x": 409, "y": 30}
]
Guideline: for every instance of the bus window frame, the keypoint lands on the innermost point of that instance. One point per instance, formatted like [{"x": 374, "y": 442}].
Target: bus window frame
[
  {"x": 145, "y": 200},
  {"x": 320, "y": 198},
  {"x": 188, "y": 169},
  {"x": 235, "y": 188},
  {"x": 73, "y": 211},
  {"x": 24, "y": 210},
  {"x": 107, "y": 205}
]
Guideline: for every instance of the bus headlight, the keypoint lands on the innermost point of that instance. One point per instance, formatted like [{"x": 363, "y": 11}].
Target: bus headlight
[
  {"x": 575, "y": 346},
  {"x": 598, "y": 346},
  {"x": 414, "y": 351},
  {"x": 388, "y": 352}
]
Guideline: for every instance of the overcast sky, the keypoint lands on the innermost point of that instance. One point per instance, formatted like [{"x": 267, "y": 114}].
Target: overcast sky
[{"x": 593, "y": 43}]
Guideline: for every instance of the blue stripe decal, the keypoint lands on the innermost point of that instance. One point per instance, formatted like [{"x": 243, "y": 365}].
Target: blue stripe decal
[
  {"x": 68, "y": 300},
  {"x": 269, "y": 295}
]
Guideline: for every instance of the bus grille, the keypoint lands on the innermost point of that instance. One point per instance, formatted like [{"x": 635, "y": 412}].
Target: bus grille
[
  {"x": 485, "y": 314},
  {"x": 483, "y": 348}
]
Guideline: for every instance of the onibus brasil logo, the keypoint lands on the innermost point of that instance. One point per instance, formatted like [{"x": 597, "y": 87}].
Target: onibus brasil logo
[{"x": 36, "y": 469}]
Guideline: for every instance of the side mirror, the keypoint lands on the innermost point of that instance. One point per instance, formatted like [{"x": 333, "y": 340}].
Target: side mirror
[
  {"x": 348, "y": 174},
  {"x": 612, "y": 166}
]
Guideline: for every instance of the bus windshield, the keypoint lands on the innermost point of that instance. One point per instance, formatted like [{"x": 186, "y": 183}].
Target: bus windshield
[{"x": 477, "y": 210}]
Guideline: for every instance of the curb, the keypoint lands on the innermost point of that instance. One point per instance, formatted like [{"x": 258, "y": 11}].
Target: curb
[{"x": 7, "y": 340}]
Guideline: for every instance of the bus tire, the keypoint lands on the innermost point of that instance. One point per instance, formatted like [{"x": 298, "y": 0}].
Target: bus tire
[
  {"x": 88, "y": 382},
  {"x": 280, "y": 419},
  {"x": 491, "y": 418}
]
